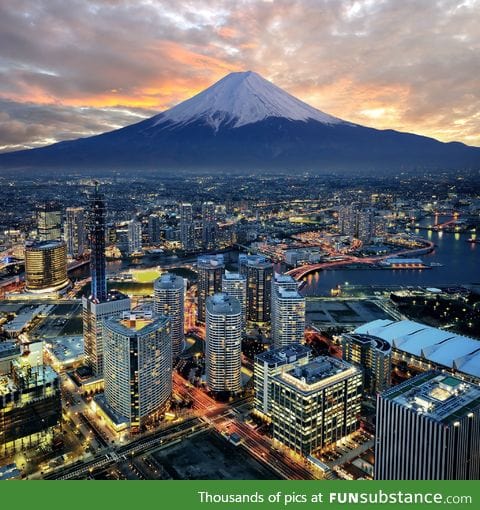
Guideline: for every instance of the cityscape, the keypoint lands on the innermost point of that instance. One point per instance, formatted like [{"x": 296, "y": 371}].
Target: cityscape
[
  {"x": 240, "y": 327},
  {"x": 241, "y": 241}
]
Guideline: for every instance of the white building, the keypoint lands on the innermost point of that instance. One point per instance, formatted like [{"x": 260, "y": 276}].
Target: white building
[
  {"x": 223, "y": 350},
  {"x": 235, "y": 285},
  {"x": 134, "y": 237}
]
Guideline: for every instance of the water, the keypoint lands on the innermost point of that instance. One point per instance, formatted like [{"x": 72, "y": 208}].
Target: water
[{"x": 460, "y": 265}]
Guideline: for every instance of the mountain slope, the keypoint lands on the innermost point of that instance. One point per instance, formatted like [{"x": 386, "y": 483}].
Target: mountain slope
[{"x": 245, "y": 122}]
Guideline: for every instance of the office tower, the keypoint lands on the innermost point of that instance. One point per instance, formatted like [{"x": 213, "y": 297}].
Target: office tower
[
  {"x": 347, "y": 220},
  {"x": 96, "y": 233},
  {"x": 209, "y": 226},
  {"x": 235, "y": 285},
  {"x": 30, "y": 405},
  {"x": 75, "y": 233},
  {"x": 49, "y": 222},
  {"x": 134, "y": 237},
  {"x": 169, "y": 296},
  {"x": 373, "y": 355},
  {"x": 356, "y": 222},
  {"x": 46, "y": 266},
  {"x": 366, "y": 225},
  {"x": 187, "y": 227},
  {"x": 210, "y": 271},
  {"x": 315, "y": 405},
  {"x": 259, "y": 273},
  {"x": 269, "y": 364},
  {"x": 428, "y": 428},
  {"x": 288, "y": 311},
  {"x": 138, "y": 366},
  {"x": 223, "y": 348},
  {"x": 154, "y": 229},
  {"x": 99, "y": 305}
]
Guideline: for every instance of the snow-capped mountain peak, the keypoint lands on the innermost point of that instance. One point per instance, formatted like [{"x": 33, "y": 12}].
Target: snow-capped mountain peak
[{"x": 239, "y": 99}]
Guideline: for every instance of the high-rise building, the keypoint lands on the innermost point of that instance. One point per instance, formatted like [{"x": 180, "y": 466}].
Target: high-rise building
[
  {"x": 138, "y": 366},
  {"x": 223, "y": 345},
  {"x": 210, "y": 271},
  {"x": 46, "y": 266},
  {"x": 209, "y": 226},
  {"x": 187, "y": 227},
  {"x": 154, "y": 229},
  {"x": 169, "y": 296},
  {"x": 134, "y": 237},
  {"x": 271, "y": 363},
  {"x": 30, "y": 405},
  {"x": 428, "y": 428},
  {"x": 94, "y": 313},
  {"x": 75, "y": 233},
  {"x": 373, "y": 355},
  {"x": 99, "y": 305},
  {"x": 259, "y": 273},
  {"x": 288, "y": 311},
  {"x": 235, "y": 285},
  {"x": 96, "y": 235},
  {"x": 316, "y": 405},
  {"x": 49, "y": 222},
  {"x": 356, "y": 222}
]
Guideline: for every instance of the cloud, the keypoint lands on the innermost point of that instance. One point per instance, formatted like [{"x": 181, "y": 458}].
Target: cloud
[{"x": 81, "y": 67}]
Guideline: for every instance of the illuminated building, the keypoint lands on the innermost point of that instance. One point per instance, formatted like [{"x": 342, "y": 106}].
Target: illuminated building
[
  {"x": 154, "y": 230},
  {"x": 187, "y": 227},
  {"x": 235, "y": 285},
  {"x": 428, "y": 428},
  {"x": 169, "y": 296},
  {"x": 46, "y": 266},
  {"x": 75, "y": 233},
  {"x": 137, "y": 366},
  {"x": 271, "y": 363},
  {"x": 373, "y": 355},
  {"x": 209, "y": 226},
  {"x": 100, "y": 304},
  {"x": 30, "y": 405},
  {"x": 288, "y": 311},
  {"x": 259, "y": 273},
  {"x": 356, "y": 222},
  {"x": 134, "y": 237},
  {"x": 210, "y": 271},
  {"x": 49, "y": 222},
  {"x": 315, "y": 405},
  {"x": 223, "y": 344}
]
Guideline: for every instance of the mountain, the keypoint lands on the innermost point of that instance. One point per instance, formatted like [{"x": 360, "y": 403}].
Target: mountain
[{"x": 244, "y": 122}]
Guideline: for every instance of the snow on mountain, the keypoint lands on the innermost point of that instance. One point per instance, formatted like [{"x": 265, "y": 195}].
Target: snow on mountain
[{"x": 239, "y": 99}]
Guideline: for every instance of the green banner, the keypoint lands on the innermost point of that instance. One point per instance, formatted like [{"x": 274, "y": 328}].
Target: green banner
[{"x": 91, "y": 495}]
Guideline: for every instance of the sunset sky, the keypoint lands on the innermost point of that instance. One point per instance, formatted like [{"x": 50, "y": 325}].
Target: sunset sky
[{"x": 71, "y": 68}]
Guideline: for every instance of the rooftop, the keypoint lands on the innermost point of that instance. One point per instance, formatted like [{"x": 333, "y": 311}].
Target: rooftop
[
  {"x": 169, "y": 281},
  {"x": 223, "y": 304},
  {"x": 441, "y": 397},
  {"x": 374, "y": 341},
  {"x": 283, "y": 355},
  {"x": 444, "y": 348}
]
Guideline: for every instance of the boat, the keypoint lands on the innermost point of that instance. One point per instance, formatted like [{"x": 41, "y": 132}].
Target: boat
[{"x": 472, "y": 240}]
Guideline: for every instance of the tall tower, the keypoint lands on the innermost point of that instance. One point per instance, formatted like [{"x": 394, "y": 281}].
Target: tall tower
[
  {"x": 235, "y": 285},
  {"x": 138, "y": 366},
  {"x": 223, "y": 351},
  {"x": 210, "y": 271},
  {"x": 259, "y": 273},
  {"x": 96, "y": 231},
  {"x": 49, "y": 222},
  {"x": 100, "y": 305},
  {"x": 187, "y": 227},
  {"x": 75, "y": 231},
  {"x": 134, "y": 237},
  {"x": 209, "y": 225},
  {"x": 169, "y": 295}
]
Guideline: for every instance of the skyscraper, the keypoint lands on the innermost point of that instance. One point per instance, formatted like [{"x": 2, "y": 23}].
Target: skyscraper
[
  {"x": 75, "y": 233},
  {"x": 138, "y": 366},
  {"x": 49, "y": 222},
  {"x": 210, "y": 270},
  {"x": 154, "y": 232},
  {"x": 428, "y": 428},
  {"x": 99, "y": 305},
  {"x": 169, "y": 296},
  {"x": 316, "y": 405},
  {"x": 187, "y": 227},
  {"x": 259, "y": 273},
  {"x": 223, "y": 348},
  {"x": 134, "y": 237},
  {"x": 235, "y": 285},
  {"x": 209, "y": 226},
  {"x": 288, "y": 311},
  {"x": 373, "y": 355},
  {"x": 46, "y": 266}
]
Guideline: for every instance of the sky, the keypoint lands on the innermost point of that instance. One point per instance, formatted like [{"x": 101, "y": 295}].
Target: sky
[{"x": 75, "y": 68}]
